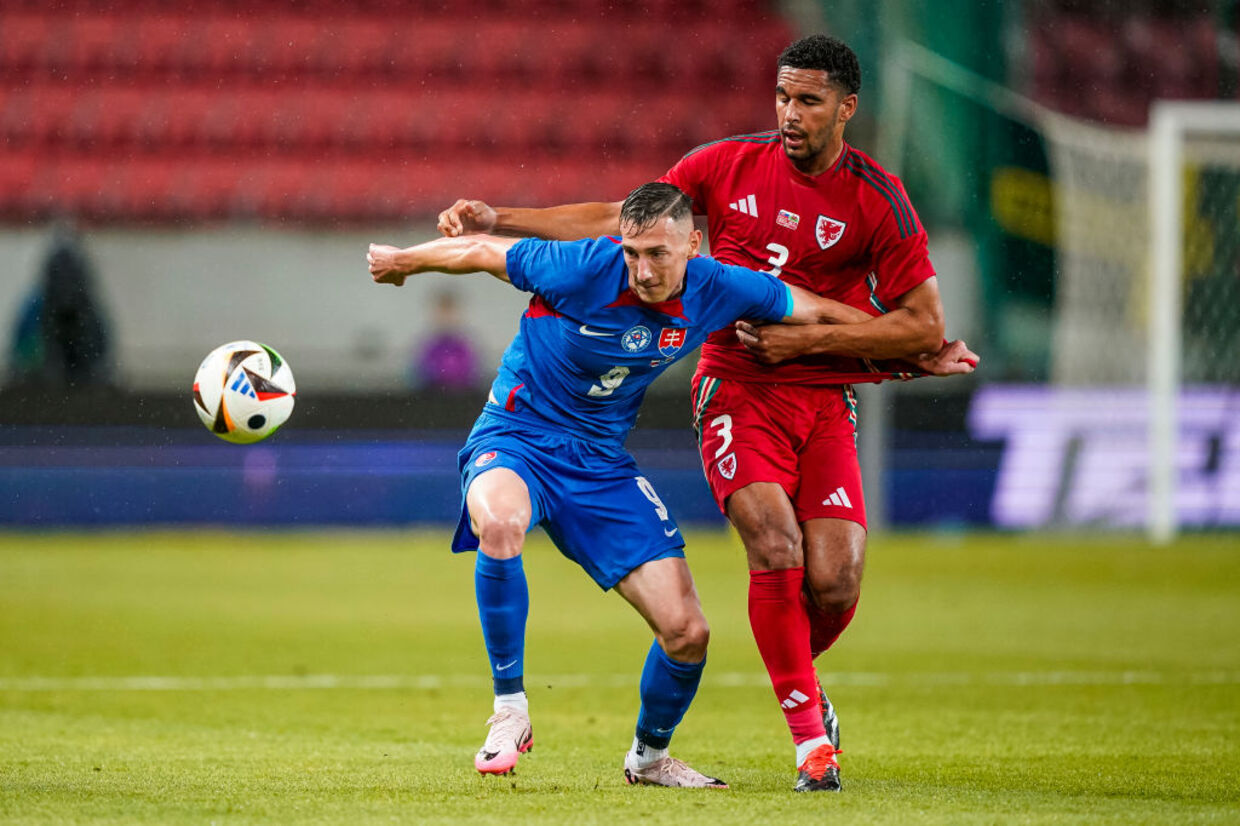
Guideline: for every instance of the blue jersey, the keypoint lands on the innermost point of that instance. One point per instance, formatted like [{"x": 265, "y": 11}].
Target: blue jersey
[{"x": 588, "y": 347}]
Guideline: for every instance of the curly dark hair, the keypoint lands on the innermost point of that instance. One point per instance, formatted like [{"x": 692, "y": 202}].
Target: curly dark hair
[
  {"x": 651, "y": 202},
  {"x": 828, "y": 54}
]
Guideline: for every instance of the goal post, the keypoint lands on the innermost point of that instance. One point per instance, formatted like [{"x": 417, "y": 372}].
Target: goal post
[{"x": 1171, "y": 124}]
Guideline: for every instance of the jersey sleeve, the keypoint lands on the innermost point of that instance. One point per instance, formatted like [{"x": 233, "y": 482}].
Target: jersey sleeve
[
  {"x": 746, "y": 293},
  {"x": 558, "y": 271},
  {"x": 692, "y": 176},
  {"x": 901, "y": 254}
]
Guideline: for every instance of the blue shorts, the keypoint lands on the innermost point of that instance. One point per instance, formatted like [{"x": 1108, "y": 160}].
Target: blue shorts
[{"x": 590, "y": 498}]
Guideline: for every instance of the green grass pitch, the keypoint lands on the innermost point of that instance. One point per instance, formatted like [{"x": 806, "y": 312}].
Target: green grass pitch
[{"x": 314, "y": 677}]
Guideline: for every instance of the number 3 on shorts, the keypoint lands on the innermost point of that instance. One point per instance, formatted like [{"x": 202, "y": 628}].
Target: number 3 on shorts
[{"x": 724, "y": 425}]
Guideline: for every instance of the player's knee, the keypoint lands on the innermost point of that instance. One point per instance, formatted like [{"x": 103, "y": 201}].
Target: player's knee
[
  {"x": 837, "y": 592},
  {"x": 501, "y": 537},
  {"x": 687, "y": 639},
  {"x": 774, "y": 548}
]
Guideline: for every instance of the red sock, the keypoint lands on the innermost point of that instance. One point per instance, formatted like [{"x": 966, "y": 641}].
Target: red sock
[
  {"x": 824, "y": 628},
  {"x": 781, "y": 630}
]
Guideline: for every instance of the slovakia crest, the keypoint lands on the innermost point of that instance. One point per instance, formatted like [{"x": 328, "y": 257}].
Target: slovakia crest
[
  {"x": 636, "y": 339},
  {"x": 671, "y": 339},
  {"x": 829, "y": 231},
  {"x": 485, "y": 459},
  {"x": 727, "y": 466}
]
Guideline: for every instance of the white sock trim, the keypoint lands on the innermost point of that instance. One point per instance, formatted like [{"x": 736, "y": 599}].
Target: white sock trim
[
  {"x": 518, "y": 701},
  {"x": 644, "y": 755},
  {"x": 804, "y": 749}
]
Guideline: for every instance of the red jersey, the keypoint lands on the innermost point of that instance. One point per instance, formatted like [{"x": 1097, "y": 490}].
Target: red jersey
[{"x": 849, "y": 234}]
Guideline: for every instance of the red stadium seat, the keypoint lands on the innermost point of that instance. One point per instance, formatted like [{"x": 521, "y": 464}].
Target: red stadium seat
[
  {"x": 39, "y": 114},
  {"x": 17, "y": 176},
  {"x": 120, "y": 118},
  {"x": 25, "y": 38},
  {"x": 157, "y": 46},
  {"x": 224, "y": 46}
]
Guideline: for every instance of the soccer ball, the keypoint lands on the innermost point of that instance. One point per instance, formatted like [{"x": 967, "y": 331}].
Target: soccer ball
[{"x": 244, "y": 391}]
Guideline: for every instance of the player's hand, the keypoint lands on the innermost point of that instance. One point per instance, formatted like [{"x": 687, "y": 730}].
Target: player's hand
[
  {"x": 466, "y": 218},
  {"x": 384, "y": 267},
  {"x": 771, "y": 343},
  {"x": 953, "y": 359}
]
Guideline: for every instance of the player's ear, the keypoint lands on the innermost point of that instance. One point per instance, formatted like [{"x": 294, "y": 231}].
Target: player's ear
[
  {"x": 848, "y": 108},
  {"x": 695, "y": 241}
]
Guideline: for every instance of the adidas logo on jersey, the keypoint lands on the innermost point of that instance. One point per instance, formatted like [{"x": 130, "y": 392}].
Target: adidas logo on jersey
[
  {"x": 746, "y": 206},
  {"x": 839, "y": 498}
]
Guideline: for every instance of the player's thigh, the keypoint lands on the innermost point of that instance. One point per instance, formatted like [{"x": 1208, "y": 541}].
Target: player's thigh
[
  {"x": 745, "y": 437},
  {"x": 663, "y": 592},
  {"x": 767, "y": 525},
  {"x": 503, "y": 490},
  {"x": 609, "y": 519},
  {"x": 498, "y": 499},
  {"x": 828, "y": 471}
]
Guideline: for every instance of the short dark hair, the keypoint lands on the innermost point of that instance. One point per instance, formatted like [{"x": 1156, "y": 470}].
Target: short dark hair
[
  {"x": 821, "y": 52},
  {"x": 647, "y": 204}
]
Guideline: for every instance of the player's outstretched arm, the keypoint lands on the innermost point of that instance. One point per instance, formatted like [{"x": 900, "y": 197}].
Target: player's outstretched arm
[
  {"x": 808, "y": 308},
  {"x": 913, "y": 328},
  {"x": 455, "y": 256},
  {"x": 569, "y": 222}
]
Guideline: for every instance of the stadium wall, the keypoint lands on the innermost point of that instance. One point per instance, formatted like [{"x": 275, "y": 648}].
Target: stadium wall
[{"x": 170, "y": 296}]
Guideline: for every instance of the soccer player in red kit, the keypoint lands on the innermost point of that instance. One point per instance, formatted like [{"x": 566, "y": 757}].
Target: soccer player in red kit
[{"x": 773, "y": 405}]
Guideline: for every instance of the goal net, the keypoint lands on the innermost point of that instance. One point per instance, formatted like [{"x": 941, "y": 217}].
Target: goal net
[{"x": 1136, "y": 423}]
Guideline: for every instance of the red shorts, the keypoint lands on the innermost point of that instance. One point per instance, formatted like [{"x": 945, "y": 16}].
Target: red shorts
[{"x": 803, "y": 438}]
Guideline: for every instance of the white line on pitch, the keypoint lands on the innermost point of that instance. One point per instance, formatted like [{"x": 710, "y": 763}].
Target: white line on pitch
[{"x": 426, "y": 682}]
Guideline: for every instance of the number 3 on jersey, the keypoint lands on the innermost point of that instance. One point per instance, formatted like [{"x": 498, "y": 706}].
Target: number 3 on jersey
[{"x": 777, "y": 260}]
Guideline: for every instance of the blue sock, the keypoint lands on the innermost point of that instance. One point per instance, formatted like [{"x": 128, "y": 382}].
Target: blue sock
[
  {"x": 503, "y": 605},
  {"x": 667, "y": 689}
]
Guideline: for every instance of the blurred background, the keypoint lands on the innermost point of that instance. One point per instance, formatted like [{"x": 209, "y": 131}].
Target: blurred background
[{"x": 175, "y": 177}]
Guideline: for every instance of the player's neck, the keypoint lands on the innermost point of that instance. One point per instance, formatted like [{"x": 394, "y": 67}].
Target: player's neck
[{"x": 823, "y": 161}]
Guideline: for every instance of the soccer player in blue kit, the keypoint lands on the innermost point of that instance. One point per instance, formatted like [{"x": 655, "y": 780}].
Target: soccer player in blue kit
[{"x": 606, "y": 318}]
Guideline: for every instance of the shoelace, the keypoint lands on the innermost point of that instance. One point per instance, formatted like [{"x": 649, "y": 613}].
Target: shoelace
[
  {"x": 821, "y": 759},
  {"x": 671, "y": 767},
  {"x": 507, "y": 729}
]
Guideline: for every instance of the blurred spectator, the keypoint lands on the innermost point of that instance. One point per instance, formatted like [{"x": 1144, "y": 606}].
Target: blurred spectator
[
  {"x": 447, "y": 359},
  {"x": 61, "y": 337}
]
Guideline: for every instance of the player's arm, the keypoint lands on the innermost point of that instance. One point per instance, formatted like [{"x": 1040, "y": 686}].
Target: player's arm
[
  {"x": 455, "y": 256},
  {"x": 912, "y": 330},
  {"x": 560, "y": 223},
  {"x": 808, "y": 308}
]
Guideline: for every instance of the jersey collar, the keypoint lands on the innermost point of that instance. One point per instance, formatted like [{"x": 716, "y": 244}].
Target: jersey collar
[
  {"x": 813, "y": 180},
  {"x": 672, "y": 306}
]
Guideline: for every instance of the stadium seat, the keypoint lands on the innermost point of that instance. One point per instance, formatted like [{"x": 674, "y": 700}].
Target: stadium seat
[
  {"x": 24, "y": 39},
  {"x": 90, "y": 44},
  {"x": 119, "y": 119},
  {"x": 17, "y": 175},
  {"x": 157, "y": 46},
  {"x": 223, "y": 46},
  {"x": 38, "y": 114}
]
